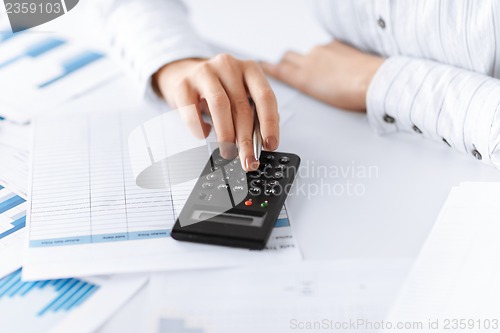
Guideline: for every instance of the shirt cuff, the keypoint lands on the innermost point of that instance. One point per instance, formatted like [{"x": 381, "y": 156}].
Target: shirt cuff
[
  {"x": 441, "y": 102},
  {"x": 381, "y": 115}
]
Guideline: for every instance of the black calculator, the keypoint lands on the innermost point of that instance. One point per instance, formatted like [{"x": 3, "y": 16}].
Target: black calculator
[{"x": 231, "y": 207}]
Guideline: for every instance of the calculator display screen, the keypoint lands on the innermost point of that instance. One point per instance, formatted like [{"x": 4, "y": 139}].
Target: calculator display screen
[{"x": 231, "y": 217}]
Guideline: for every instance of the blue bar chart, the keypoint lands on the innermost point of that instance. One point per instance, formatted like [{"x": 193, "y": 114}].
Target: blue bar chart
[
  {"x": 35, "y": 50},
  {"x": 57, "y": 305},
  {"x": 10, "y": 203},
  {"x": 67, "y": 293},
  {"x": 12, "y": 214},
  {"x": 59, "y": 70},
  {"x": 6, "y": 35},
  {"x": 12, "y": 226},
  {"x": 16, "y": 225},
  {"x": 72, "y": 65}
]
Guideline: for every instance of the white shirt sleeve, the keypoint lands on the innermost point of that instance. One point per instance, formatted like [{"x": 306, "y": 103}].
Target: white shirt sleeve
[
  {"x": 460, "y": 108},
  {"x": 146, "y": 35}
]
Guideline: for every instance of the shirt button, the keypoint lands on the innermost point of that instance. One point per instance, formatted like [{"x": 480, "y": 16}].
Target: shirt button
[
  {"x": 417, "y": 130},
  {"x": 477, "y": 154},
  {"x": 388, "y": 119},
  {"x": 381, "y": 23}
]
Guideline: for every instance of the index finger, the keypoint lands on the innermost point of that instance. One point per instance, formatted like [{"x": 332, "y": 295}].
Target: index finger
[{"x": 265, "y": 103}]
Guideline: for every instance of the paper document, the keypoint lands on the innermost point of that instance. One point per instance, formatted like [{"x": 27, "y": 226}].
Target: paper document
[
  {"x": 88, "y": 217},
  {"x": 457, "y": 275},
  {"x": 284, "y": 298},
  {"x": 15, "y": 135},
  {"x": 12, "y": 230},
  {"x": 62, "y": 305},
  {"x": 14, "y": 169},
  {"x": 43, "y": 70}
]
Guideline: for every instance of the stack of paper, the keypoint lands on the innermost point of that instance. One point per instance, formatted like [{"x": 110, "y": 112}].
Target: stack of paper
[
  {"x": 15, "y": 143},
  {"x": 51, "y": 305},
  {"x": 38, "y": 72},
  {"x": 345, "y": 296},
  {"x": 455, "y": 283},
  {"x": 14, "y": 169},
  {"x": 88, "y": 216}
]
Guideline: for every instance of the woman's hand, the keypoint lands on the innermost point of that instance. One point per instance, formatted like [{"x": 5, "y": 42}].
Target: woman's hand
[
  {"x": 336, "y": 74},
  {"x": 221, "y": 86}
]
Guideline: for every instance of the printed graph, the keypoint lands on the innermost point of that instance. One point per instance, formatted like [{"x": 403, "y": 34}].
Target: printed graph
[
  {"x": 72, "y": 65},
  {"x": 12, "y": 213},
  {"x": 43, "y": 46},
  {"x": 33, "y": 51},
  {"x": 60, "y": 69},
  {"x": 66, "y": 293}
]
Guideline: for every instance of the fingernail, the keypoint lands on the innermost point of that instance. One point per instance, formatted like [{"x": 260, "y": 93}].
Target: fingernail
[
  {"x": 206, "y": 130},
  {"x": 228, "y": 150},
  {"x": 271, "y": 143},
  {"x": 251, "y": 164}
]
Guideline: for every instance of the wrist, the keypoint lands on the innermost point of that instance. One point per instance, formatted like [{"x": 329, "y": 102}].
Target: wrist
[{"x": 372, "y": 65}]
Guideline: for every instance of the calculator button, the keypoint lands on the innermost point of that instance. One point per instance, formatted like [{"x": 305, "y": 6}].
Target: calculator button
[
  {"x": 249, "y": 202},
  {"x": 242, "y": 180},
  {"x": 255, "y": 191},
  {"x": 278, "y": 175},
  {"x": 207, "y": 185},
  {"x": 270, "y": 191},
  {"x": 222, "y": 187},
  {"x": 256, "y": 182},
  {"x": 202, "y": 196},
  {"x": 265, "y": 167},
  {"x": 264, "y": 204},
  {"x": 284, "y": 160},
  {"x": 212, "y": 176},
  {"x": 219, "y": 161},
  {"x": 269, "y": 158},
  {"x": 280, "y": 167},
  {"x": 255, "y": 174},
  {"x": 273, "y": 183},
  {"x": 215, "y": 168},
  {"x": 238, "y": 188}
]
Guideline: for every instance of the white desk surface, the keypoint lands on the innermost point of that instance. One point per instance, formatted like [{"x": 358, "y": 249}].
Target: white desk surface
[{"x": 393, "y": 217}]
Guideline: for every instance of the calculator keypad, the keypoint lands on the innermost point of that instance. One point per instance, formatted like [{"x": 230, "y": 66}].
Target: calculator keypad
[
  {"x": 227, "y": 185},
  {"x": 231, "y": 207}
]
